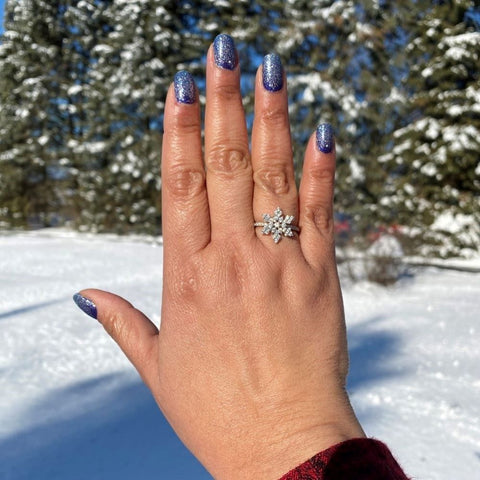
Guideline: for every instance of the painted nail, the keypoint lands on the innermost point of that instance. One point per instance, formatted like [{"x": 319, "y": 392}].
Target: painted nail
[
  {"x": 86, "y": 305},
  {"x": 224, "y": 51},
  {"x": 184, "y": 87},
  {"x": 325, "y": 138},
  {"x": 272, "y": 72}
]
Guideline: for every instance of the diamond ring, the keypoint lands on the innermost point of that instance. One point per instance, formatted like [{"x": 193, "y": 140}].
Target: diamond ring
[{"x": 277, "y": 225}]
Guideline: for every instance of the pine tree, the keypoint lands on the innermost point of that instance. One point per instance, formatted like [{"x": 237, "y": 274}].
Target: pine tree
[
  {"x": 434, "y": 165},
  {"x": 131, "y": 67},
  {"x": 82, "y": 86},
  {"x": 341, "y": 61},
  {"x": 30, "y": 119}
]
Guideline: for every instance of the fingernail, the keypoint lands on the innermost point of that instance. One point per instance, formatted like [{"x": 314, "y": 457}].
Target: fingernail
[
  {"x": 272, "y": 72},
  {"x": 184, "y": 86},
  {"x": 86, "y": 305},
  {"x": 224, "y": 51},
  {"x": 325, "y": 138}
]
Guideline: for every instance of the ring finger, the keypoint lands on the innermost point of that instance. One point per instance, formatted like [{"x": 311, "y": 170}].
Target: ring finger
[{"x": 273, "y": 173}]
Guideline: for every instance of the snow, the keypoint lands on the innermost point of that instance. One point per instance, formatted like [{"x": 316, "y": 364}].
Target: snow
[
  {"x": 461, "y": 139},
  {"x": 462, "y": 226},
  {"x": 357, "y": 172},
  {"x": 460, "y": 46},
  {"x": 313, "y": 85},
  {"x": 470, "y": 38},
  {"x": 102, "y": 49},
  {"x": 75, "y": 90},
  {"x": 386, "y": 245},
  {"x": 473, "y": 94},
  {"x": 72, "y": 406},
  {"x": 421, "y": 372},
  {"x": 427, "y": 72},
  {"x": 22, "y": 112},
  {"x": 395, "y": 96},
  {"x": 457, "y": 54},
  {"x": 92, "y": 147},
  {"x": 409, "y": 189},
  {"x": 43, "y": 140},
  {"x": 429, "y": 169},
  {"x": 441, "y": 155},
  {"x": 433, "y": 129}
]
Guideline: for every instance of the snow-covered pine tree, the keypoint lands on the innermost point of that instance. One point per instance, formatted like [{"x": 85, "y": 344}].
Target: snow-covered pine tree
[
  {"x": 31, "y": 123},
  {"x": 434, "y": 163},
  {"x": 309, "y": 41},
  {"x": 339, "y": 57},
  {"x": 84, "y": 29},
  {"x": 131, "y": 67}
]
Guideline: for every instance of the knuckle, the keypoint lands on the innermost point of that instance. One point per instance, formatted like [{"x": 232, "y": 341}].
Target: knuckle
[
  {"x": 116, "y": 326},
  {"x": 184, "y": 182},
  {"x": 275, "y": 117},
  {"x": 273, "y": 179},
  {"x": 321, "y": 216},
  {"x": 228, "y": 162},
  {"x": 185, "y": 285},
  {"x": 182, "y": 123},
  {"x": 186, "y": 124},
  {"x": 323, "y": 176},
  {"x": 227, "y": 92}
]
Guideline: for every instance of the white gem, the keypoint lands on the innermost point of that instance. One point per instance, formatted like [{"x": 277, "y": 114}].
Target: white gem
[{"x": 278, "y": 225}]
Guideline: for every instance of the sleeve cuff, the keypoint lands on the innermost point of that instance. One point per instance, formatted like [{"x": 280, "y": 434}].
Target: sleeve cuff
[{"x": 358, "y": 459}]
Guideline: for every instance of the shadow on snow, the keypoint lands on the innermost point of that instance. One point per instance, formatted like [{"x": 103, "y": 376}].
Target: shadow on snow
[
  {"x": 30, "y": 308},
  {"x": 372, "y": 355},
  {"x": 117, "y": 432}
]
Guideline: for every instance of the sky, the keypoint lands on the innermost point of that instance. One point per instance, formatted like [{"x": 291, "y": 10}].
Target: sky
[{"x": 2, "y": 5}]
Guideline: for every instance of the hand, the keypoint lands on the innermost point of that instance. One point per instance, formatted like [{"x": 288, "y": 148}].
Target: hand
[{"x": 250, "y": 362}]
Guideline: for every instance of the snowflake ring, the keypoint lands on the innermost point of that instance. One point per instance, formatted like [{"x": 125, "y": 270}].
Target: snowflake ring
[{"x": 277, "y": 225}]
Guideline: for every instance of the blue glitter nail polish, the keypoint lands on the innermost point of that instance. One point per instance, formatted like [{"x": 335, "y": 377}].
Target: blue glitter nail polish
[
  {"x": 272, "y": 72},
  {"x": 325, "y": 138},
  {"x": 86, "y": 305},
  {"x": 184, "y": 87},
  {"x": 225, "y": 52}
]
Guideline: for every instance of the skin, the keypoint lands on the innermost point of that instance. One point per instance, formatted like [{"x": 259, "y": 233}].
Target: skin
[{"x": 250, "y": 363}]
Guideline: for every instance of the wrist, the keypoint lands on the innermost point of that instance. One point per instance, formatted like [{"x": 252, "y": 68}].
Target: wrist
[{"x": 273, "y": 449}]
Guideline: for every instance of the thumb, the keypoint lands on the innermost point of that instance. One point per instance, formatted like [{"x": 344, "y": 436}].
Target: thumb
[{"x": 133, "y": 332}]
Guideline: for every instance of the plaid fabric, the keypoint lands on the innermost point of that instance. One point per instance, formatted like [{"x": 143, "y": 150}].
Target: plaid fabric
[{"x": 357, "y": 459}]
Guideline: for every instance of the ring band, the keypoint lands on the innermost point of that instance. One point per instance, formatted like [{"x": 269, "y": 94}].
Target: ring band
[{"x": 277, "y": 225}]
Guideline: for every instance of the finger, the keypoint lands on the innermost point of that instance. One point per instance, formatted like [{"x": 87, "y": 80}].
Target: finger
[
  {"x": 227, "y": 159},
  {"x": 273, "y": 171},
  {"x": 316, "y": 196},
  {"x": 133, "y": 332},
  {"x": 184, "y": 196}
]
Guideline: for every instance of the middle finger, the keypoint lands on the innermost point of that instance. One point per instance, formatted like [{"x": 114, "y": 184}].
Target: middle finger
[{"x": 227, "y": 157}]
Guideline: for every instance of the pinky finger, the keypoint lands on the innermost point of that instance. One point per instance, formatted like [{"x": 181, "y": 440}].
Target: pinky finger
[{"x": 316, "y": 197}]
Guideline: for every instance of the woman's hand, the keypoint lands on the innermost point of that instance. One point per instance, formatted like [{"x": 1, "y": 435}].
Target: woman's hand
[{"x": 250, "y": 363}]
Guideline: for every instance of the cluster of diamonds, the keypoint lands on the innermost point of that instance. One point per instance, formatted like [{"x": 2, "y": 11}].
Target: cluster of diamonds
[{"x": 278, "y": 226}]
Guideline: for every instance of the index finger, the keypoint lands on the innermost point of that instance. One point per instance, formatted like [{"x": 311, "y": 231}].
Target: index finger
[{"x": 185, "y": 214}]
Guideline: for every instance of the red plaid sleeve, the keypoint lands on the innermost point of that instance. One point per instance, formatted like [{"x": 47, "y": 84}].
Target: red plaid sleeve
[{"x": 357, "y": 459}]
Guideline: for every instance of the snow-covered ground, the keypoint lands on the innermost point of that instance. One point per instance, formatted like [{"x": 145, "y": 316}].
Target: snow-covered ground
[{"x": 71, "y": 406}]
